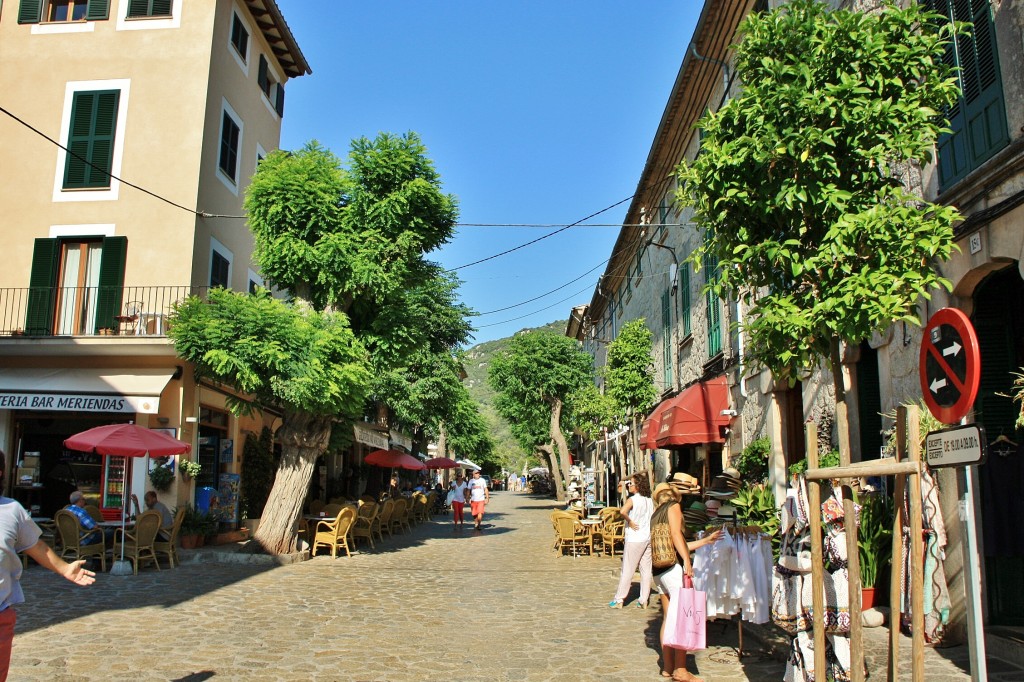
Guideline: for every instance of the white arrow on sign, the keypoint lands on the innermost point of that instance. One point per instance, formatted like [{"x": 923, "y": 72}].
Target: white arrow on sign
[
  {"x": 937, "y": 384},
  {"x": 952, "y": 350}
]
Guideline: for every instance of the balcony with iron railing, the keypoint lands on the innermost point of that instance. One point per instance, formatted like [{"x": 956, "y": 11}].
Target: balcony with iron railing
[{"x": 90, "y": 311}]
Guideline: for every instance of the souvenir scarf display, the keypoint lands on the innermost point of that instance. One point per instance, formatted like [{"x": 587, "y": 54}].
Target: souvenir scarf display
[
  {"x": 792, "y": 586},
  {"x": 936, "y": 592}
]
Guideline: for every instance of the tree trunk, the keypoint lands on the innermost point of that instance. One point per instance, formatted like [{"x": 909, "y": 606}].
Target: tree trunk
[
  {"x": 561, "y": 448},
  {"x": 639, "y": 456},
  {"x": 442, "y": 441},
  {"x": 627, "y": 461},
  {"x": 303, "y": 438},
  {"x": 556, "y": 471}
]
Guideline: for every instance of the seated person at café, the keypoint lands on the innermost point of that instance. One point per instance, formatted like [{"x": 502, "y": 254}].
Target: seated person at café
[
  {"x": 77, "y": 507},
  {"x": 166, "y": 517}
]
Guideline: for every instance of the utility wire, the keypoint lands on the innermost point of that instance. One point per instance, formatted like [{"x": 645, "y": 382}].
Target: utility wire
[
  {"x": 550, "y": 234},
  {"x": 495, "y": 324},
  {"x": 201, "y": 214},
  {"x": 537, "y": 298}
]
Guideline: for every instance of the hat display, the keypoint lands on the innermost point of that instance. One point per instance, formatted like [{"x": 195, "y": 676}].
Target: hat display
[
  {"x": 662, "y": 487},
  {"x": 685, "y": 484},
  {"x": 695, "y": 517}
]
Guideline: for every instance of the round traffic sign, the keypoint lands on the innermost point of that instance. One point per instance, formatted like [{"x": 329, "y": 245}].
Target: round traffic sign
[{"x": 950, "y": 365}]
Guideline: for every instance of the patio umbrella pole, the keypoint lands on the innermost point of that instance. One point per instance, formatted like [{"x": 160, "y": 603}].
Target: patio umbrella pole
[{"x": 120, "y": 566}]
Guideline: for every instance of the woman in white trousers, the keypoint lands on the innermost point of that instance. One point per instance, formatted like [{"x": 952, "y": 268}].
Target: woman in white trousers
[{"x": 636, "y": 550}]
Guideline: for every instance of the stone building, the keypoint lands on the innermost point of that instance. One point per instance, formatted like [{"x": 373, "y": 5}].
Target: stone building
[{"x": 978, "y": 168}]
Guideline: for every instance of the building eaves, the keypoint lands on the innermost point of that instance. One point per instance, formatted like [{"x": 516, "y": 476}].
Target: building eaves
[
  {"x": 277, "y": 34},
  {"x": 695, "y": 82}
]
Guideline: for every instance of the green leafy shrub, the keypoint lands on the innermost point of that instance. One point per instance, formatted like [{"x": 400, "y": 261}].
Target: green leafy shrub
[
  {"x": 830, "y": 459},
  {"x": 874, "y": 537},
  {"x": 196, "y": 522},
  {"x": 755, "y": 506},
  {"x": 189, "y": 468},
  {"x": 258, "y": 470},
  {"x": 752, "y": 462}
]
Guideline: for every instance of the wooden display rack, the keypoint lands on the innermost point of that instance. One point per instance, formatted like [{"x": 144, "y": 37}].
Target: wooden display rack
[{"x": 907, "y": 463}]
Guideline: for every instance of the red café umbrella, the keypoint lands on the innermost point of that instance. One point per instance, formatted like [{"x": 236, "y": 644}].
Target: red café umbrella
[
  {"x": 441, "y": 463},
  {"x": 394, "y": 459},
  {"x": 126, "y": 440}
]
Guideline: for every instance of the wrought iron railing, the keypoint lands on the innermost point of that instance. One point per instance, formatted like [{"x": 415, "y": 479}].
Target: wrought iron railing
[{"x": 90, "y": 311}]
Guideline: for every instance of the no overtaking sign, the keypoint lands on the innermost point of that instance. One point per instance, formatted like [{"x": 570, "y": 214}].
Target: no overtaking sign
[{"x": 950, "y": 365}]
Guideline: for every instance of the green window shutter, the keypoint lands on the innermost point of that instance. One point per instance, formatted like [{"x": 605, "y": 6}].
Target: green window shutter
[
  {"x": 229, "y": 147},
  {"x": 666, "y": 335},
  {"x": 97, "y": 10},
  {"x": 30, "y": 11},
  {"x": 91, "y": 139},
  {"x": 714, "y": 306},
  {"x": 138, "y": 8},
  {"x": 684, "y": 296},
  {"x": 111, "y": 282},
  {"x": 161, "y": 8},
  {"x": 978, "y": 120},
  {"x": 262, "y": 78},
  {"x": 279, "y": 102},
  {"x": 42, "y": 288}
]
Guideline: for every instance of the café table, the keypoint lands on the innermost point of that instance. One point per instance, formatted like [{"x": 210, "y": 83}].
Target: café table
[{"x": 591, "y": 525}]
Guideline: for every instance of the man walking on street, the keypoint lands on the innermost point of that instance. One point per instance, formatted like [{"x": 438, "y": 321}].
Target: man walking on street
[{"x": 479, "y": 496}]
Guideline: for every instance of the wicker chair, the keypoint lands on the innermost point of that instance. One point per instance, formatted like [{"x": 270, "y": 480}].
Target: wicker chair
[
  {"x": 387, "y": 508},
  {"x": 140, "y": 543},
  {"x": 94, "y": 512},
  {"x": 571, "y": 534},
  {"x": 399, "y": 515},
  {"x": 421, "y": 508},
  {"x": 365, "y": 518},
  {"x": 613, "y": 533},
  {"x": 334, "y": 533},
  {"x": 169, "y": 545},
  {"x": 72, "y": 534}
]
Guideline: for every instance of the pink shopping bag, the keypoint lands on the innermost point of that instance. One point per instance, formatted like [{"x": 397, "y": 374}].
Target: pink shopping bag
[{"x": 685, "y": 620}]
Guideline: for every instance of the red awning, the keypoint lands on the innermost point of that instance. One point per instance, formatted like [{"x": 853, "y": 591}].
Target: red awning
[
  {"x": 695, "y": 415},
  {"x": 650, "y": 427}
]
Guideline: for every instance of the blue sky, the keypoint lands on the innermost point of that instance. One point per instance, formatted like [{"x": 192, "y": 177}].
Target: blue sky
[{"x": 536, "y": 112}]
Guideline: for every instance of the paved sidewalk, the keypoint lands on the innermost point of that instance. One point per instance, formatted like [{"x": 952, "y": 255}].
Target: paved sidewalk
[{"x": 434, "y": 604}]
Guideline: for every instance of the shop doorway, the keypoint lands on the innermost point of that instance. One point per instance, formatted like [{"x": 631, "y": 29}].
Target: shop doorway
[
  {"x": 869, "y": 403},
  {"x": 999, "y": 321},
  {"x": 791, "y": 405}
]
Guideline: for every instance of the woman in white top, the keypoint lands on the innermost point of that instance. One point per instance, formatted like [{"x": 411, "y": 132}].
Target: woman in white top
[{"x": 636, "y": 551}]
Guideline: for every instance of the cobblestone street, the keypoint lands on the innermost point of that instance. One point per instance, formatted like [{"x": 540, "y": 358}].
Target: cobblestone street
[{"x": 434, "y": 604}]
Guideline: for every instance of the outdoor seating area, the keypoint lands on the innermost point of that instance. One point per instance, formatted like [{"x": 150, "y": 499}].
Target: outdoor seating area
[
  {"x": 343, "y": 524},
  {"x": 600, "y": 534}
]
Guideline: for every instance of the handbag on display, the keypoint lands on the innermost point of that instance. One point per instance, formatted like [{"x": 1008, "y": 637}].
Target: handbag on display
[{"x": 686, "y": 618}]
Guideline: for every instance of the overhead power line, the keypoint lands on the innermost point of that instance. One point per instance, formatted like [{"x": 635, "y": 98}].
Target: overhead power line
[
  {"x": 537, "y": 298},
  {"x": 495, "y": 324},
  {"x": 550, "y": 234}
]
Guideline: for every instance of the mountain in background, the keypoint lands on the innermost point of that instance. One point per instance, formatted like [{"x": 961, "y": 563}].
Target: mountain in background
[{"x": 477, "y": 363}]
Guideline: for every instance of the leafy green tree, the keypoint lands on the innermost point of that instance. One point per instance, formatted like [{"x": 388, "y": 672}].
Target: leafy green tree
[
  {"x": 258, "y": 469},
  {"x": 799, "y": 185},
  {"x": 629, "y": 379},
  {"x": 534, "y": 378},
  {"x": 349, "y": 246}
]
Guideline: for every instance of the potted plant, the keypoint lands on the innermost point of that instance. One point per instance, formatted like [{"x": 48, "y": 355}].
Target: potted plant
[
  {"x": 874, "y": 543},
  {"x": 189, "y": 469},
  {"x": 195, "y": 526},
  {"x": 161, "y": 477}
]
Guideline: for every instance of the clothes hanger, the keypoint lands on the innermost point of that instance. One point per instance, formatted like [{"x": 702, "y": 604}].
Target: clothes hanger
[{"x": 1001, "y": 439}]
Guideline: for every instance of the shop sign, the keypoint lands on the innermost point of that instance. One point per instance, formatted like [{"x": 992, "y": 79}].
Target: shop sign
[
  {"x": 77, "y": 402},
  {"x": 369, "y": 436},
  {"x": 401, "y": 440},
  {"x": 958, "y": 446}
]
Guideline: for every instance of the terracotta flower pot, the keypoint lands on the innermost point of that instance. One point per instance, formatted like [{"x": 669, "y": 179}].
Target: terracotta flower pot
[
  {"x": 867, "y": 598},
  {"x": 190, "y": 541}
]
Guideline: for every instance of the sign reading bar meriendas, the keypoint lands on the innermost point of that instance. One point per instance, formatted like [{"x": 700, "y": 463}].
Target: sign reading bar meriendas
[{"x": 958, "y": 446}]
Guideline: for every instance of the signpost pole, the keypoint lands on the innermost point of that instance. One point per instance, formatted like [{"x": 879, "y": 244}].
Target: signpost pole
[{"x": 972, "y": 576}]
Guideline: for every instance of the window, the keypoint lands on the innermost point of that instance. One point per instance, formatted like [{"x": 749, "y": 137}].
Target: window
[
  {"x": 240, "y": 37},
  {"x": 666, "y": 336},
  {"x": 272, "y": 89},
  {"x": 76, "y": 285},
  {"x": 978, "y": 119},
  {"x": 90, "y": 139},
  {"x": 714, "y": 306},
  {"x": 684, "y": 296},
  {"x": 230, "y": 137},
  {"x": 220, "y": 270},
  {"x": 149, "y": 8},
  {"x": 34, "y": 11}
]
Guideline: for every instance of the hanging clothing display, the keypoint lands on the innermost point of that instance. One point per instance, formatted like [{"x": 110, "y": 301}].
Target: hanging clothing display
[
  {"x": 936, "y": 592},
  {"x": 734, "y": 572},
  {"x": 792, "y": 605}
]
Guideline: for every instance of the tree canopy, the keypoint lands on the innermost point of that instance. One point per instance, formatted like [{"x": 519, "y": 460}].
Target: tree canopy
[
  {"x": 801, "y": 183},
  {"x": 534, "y": 377}
]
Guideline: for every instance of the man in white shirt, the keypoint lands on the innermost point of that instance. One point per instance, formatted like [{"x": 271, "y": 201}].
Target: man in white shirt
[{"x": 479, "y": 496}]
